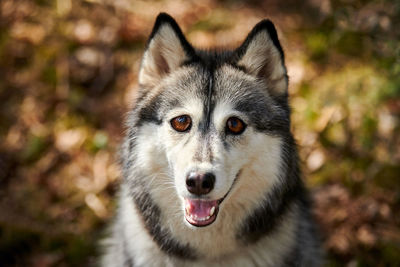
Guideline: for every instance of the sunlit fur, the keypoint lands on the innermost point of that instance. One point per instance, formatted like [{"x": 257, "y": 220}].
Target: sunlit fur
[{"x": 264, "y": 219}]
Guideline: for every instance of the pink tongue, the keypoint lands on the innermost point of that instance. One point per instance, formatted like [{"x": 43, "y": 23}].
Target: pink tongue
[{"x": 200, "y": 208}]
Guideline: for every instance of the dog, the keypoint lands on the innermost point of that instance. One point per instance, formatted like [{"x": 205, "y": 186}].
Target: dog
[{"x": 210, "y": 167}]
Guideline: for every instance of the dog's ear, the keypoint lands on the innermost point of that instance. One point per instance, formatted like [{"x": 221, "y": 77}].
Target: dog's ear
[
  {"x": 166, "y": 50},
  {"x": 261, "y": 55}
]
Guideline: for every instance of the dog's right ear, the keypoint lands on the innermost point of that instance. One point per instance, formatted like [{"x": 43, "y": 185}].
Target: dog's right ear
[
  {"x": 167, "y": 49},
  {"x": 261, "y": 55}
]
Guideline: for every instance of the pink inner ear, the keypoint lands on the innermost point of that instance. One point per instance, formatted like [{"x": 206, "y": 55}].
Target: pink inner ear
[{"x": 162, "y": 65}]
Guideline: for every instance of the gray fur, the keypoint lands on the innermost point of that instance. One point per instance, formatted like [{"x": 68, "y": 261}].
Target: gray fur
[{"x": 264, "y": 213}]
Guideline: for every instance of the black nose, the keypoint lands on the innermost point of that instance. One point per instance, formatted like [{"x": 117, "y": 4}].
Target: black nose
[{"x": 199, "y": 183}]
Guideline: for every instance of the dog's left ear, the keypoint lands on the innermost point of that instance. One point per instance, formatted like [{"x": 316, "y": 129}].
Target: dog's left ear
[
  {"x": 261, "y": 55},
  {"x": 167, "y": 49}
]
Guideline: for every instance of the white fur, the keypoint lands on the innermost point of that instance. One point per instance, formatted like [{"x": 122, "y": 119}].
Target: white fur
[
  {"x": 267, "y": 252},
  {"x": 167, "y": 161}
]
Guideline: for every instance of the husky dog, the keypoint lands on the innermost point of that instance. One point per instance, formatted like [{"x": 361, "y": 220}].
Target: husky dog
[{"x": 210, "y": 168}]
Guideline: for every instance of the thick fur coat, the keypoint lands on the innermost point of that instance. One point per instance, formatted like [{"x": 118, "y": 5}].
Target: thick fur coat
[{"x": 210, "y": 168}]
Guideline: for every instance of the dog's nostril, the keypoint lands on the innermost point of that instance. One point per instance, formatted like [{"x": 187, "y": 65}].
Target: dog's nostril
[
  {"x": 206, "y": 184},
  {"x": 190, "y": 182},
  {"x": 200, "y": 184},
  {"x": 208, "y": 181}
]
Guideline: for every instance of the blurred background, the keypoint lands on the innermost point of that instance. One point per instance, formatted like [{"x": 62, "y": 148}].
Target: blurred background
[{"x": 68, "y": 74}]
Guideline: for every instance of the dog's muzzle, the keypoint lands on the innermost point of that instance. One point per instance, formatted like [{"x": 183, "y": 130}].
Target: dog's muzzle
[{"x": 200, "y": 212}]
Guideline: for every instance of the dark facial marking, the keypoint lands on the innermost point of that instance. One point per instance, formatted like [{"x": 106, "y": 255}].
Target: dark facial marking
[
  {"x": 266, "y": 116},
  {"x": 278, "y": 202},
  {"x": 208, "y": 99},
  {"x": 149, "y": 113},
  {"x": 204, "y": 124},
  {"x": 265, "y": 219},
  {"x": 131, "y": 136},
  {"x": 151, "y": 217}
]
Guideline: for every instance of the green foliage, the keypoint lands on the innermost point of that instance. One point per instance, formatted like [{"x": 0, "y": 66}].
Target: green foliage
[
  {"x": 218, "y": 20},
  {"x": 99, "y": 141},
  {"x": 66, "y": 68},
  {"x": 34, "y": 147}
]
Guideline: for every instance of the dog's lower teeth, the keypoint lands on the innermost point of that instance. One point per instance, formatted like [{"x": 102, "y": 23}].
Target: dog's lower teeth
[
  {"x": 212, "y": 210},
  {"x": 200, "y": 216},
  {"x": 194, "y": 217}
]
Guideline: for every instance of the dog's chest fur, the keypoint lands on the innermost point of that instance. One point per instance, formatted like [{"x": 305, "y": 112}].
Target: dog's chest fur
[{"x": 220, "y": 120}]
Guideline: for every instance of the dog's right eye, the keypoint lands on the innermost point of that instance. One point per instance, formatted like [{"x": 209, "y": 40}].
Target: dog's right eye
[
  {"x": 235, "y": 126},
  {"x": 181, "y": 123}
]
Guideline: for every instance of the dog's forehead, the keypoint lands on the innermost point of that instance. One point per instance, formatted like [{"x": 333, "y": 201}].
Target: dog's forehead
[
  {"x": 233, "y": 84},
  {"x": 199, "y": 88},
  {"x": 222, "y": 83},
  {"x": 187, "y": 82}
]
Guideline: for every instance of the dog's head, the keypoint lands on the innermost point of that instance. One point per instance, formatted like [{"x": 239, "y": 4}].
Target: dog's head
[{"x": 210, "y": 123}]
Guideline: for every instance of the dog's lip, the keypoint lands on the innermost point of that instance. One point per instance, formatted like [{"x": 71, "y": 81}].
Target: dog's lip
[
  {"x": 200, "y": 212},
  {"x": 205, "y": 218},
  {"x": 230, "y": 189}
]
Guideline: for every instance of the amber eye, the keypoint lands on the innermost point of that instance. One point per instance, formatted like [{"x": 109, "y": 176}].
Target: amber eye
[
  {"x": 235, "y": 126},
  {"x": 181, "y": 123}
]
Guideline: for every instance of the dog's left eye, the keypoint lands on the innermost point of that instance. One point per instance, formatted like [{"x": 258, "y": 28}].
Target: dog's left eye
[
  {"x": 235, "y": 126},
  {"x": 181, "y": 123}
]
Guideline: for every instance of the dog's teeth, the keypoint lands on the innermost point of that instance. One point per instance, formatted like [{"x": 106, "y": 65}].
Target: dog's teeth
[
  {"x": 212, "y": 210},
  {"x": 194, "y": 217}
]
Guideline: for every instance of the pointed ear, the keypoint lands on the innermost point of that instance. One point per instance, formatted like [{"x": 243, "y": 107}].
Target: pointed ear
[
  {"x": 166, "y": 50},
  {"x": 261, "y": 55}
]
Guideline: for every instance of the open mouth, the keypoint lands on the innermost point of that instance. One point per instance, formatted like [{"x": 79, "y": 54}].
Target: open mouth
[{"x": 200, "y": 212}]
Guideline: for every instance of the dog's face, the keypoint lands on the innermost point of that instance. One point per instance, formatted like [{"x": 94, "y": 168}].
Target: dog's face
[{"x": 210, "y": 121}]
